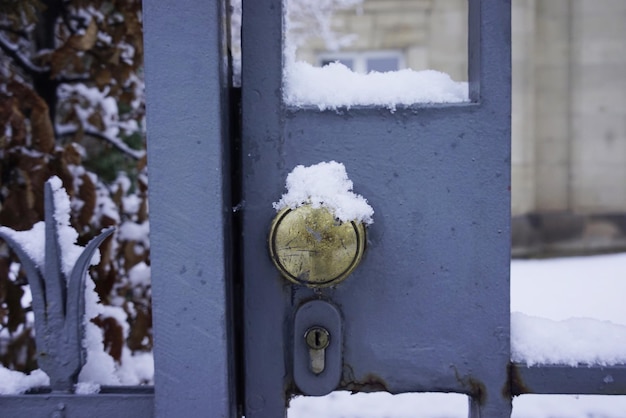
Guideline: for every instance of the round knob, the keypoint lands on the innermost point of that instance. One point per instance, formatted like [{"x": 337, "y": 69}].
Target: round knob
[{"x": 310, "y": 247}]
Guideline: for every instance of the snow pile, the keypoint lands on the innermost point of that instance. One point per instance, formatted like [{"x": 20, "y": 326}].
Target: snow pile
[
  {"x": 335, "y": 85},
  {"x": 572, "y": 287},
  {"x": 68, "y": 236},
  {"x": 573, "y": 342},
  {"x": 380, "y": 404},
  {"x": 100, "y": 368},
  {"x": 443, "y": 405},
  {"x": 139, "y": 275},
  {"x": 325, "y": 185},
  {"x": 569, "y": 311},
  {"x": 31, "y": 241},
  {"x": 12, "y": 382},
  {"x": 133, "y": 231}
]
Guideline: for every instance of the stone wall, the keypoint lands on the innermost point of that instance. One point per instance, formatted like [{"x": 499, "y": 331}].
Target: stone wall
[{"x": 569, "y": 126}]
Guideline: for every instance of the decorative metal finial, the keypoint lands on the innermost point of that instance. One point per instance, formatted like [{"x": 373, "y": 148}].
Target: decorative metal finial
[{"x": 58, "y": 300}]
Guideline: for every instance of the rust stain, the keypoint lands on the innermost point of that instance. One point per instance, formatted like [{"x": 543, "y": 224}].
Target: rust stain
[
  {"x": 370, "y": 383},
  {"x": 515, "y": 385},
  {"x": 290, "y": 391},
  {"x": 476, "y": 389}
]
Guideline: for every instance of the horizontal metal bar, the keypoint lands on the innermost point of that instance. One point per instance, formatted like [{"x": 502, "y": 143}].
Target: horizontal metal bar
[
  {"x": 139, "y": 404},
  {"x": 117, "y": 389},
  {"x": 588, "y": 380}
]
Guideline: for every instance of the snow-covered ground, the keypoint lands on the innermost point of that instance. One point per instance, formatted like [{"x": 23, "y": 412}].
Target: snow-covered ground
[{"x": 544, "y": 293}]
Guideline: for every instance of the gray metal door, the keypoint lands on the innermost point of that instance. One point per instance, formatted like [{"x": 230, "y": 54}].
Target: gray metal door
[{"x": 428, "y": 307}]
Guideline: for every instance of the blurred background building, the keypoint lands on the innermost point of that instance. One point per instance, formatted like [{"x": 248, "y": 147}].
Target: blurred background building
[{"x": 569, "y": 103}]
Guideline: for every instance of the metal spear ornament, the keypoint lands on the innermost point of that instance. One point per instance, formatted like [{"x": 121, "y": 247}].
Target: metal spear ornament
[{"x": 57, "y": 287}]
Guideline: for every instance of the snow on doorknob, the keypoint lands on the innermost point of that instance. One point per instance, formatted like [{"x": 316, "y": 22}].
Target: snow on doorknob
[{"x": 318, "y": 236}]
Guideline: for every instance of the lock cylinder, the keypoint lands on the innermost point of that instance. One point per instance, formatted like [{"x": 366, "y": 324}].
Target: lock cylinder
[{"x": 317, "y": 347}]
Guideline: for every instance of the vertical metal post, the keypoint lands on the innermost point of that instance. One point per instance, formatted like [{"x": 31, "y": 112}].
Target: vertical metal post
[
  {"x": 490, "y": 85},
  {"x": 263, "y": 297},
  {"x": 186, "y": 85}
]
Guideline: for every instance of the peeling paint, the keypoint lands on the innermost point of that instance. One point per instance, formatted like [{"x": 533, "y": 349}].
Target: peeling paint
[{"x": 370, "y": 383}]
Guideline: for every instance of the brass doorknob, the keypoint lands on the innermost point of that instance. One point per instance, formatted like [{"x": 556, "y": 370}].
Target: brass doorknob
[{"x": 310, "y": 247}]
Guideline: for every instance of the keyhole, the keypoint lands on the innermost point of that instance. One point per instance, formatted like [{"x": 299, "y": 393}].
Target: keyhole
[{"x": 317, "y": 338}]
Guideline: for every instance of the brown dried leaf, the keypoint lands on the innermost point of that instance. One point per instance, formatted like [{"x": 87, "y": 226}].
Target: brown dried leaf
[
  {"x": 41, "y": 126},
  {"x": 113, "y": 336},
  {"x": 4, "y": 278},
  {"x": 142, "y": 163},
  {"x": 132, "y": 24},
  {"x": 71, "y": 155},
  {"x": 17, "y": 209},
  {"x": 78, "y": 64},
  {"x": 11, "y": 116},
  {"x": 17, "y": 314},
  {"x": 142, "y": 213},
  {"x": 117, "y": 196},
  {"x": 42, "y": 131},
  {"x": 102, "y": 78},
  {"x": 141, "y": 328},
  {"x": 59, "y": 168},
  {"x": 86, "y": 193},
  {"x": 106, "y": 273},
  {"x": 114, "y": 58},
  {"x": 20, "y": 353},
  {"x": 122, "y": 72},
  {"x": 95, "y": 119},
  {"x": 106, "y": 221},
  {"x": 87, "y": 40},
  {"x": 131, "y": 257},
  {"x": 61, "y": 59}
]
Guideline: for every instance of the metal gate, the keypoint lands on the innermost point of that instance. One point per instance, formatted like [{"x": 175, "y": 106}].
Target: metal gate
[{"x": 427, "y": 309}]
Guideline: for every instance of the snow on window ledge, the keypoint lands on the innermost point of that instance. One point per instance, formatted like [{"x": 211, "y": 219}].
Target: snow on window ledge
[
  {"x": 571, "y": 342},
  {"x": 335, "y": 85}
]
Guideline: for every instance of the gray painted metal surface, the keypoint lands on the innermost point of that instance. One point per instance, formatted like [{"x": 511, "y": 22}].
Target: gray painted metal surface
[
  {"x": 428, "y": 308},
  {"x": 594, "y": 380},
  {"x": 135, "y": 404},
  {"x": 186, "y": 86}
]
